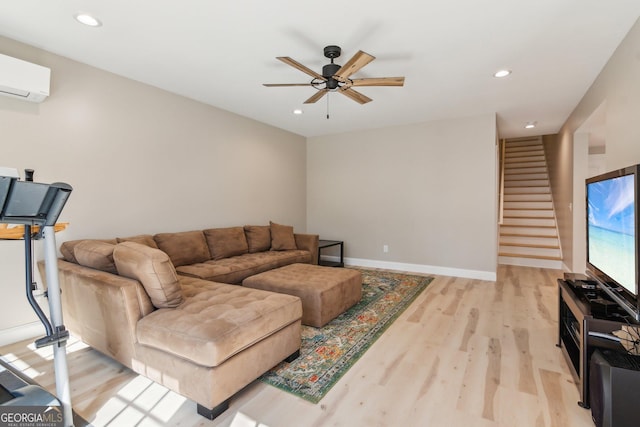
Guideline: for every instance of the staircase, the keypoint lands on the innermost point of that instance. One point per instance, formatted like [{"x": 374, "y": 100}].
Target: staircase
[{"x": 528, "y": 233}]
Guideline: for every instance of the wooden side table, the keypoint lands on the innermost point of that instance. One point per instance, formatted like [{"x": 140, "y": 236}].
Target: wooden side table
[{"x": 322, "y": 244}]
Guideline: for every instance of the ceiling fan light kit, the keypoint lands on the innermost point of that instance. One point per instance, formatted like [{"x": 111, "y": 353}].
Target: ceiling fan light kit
[{"x": 335, "y": 78}]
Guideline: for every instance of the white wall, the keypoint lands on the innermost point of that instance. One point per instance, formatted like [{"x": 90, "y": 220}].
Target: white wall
[
  {"x": 617, "y": 88},
  {"x": 142, "y": 160},
  {"x": 428, "y": 191}
]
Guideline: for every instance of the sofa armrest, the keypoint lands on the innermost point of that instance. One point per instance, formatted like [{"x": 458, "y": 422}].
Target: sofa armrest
[
  {"x": 308, "y": 242},
  {"x": 102, "y": 309}
]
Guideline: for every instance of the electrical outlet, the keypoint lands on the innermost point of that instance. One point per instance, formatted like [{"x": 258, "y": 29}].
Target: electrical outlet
[{"x": 385, "y": 248}]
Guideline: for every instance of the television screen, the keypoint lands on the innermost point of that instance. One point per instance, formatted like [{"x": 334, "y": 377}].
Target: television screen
[{"x": 611, "y": 230}]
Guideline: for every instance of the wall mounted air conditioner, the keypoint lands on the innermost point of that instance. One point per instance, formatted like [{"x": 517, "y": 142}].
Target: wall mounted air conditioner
[{"x": 23, "y": 80}]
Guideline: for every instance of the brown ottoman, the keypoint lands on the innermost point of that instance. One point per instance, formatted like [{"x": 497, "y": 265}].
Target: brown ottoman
[{"x": 325, "y": 291}]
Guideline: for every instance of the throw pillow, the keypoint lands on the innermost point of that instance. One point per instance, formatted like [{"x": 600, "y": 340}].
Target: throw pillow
[
  {"x": 282, "y": 238},
  {"x": 153, "y": 269},
  {"x": 184, "y": 248},
  {"x": 95, "y": 254},
  {"x": 258, "y": 237},
  {"x": 66, "y": 248},
  {"x": 226, "y": 242}
]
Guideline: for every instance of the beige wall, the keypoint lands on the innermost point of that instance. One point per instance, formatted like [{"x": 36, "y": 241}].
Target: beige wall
[
  {"x": 617, "y": 89},
  {"x": 560, "y": 164},
  {"x": 428, "y": 191},
  {"x": 142, "y": 160}
]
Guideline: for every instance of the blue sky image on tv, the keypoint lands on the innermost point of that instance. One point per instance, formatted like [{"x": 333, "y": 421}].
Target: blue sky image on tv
[{"x": 611, "y": 223}]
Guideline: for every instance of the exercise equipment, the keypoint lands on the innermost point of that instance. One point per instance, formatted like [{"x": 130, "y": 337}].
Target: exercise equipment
[{"x": 37, "y": 206}]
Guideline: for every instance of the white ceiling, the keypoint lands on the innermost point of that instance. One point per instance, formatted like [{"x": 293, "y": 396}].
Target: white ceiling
[{"x": 220, "y": 52}]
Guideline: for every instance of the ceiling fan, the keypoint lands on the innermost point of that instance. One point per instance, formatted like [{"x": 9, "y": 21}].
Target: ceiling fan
[{"x": 335, "y": 78}]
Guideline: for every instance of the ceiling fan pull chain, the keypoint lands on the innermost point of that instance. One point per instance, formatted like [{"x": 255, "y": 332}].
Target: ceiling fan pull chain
[{"x": 328, "y": 106}]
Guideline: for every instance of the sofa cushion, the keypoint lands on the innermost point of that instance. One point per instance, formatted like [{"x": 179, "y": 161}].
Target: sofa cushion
[
  {"x": 186, "y": 247},
  {"x": 217, "y": 321},
  {"x": 95, "y": 254},
  {"x": 258, "y": 237},
  {"x": 226, "y": 242},
  {"x": 66, "y": 248},
  {"x": 143, "y": 239},
  {"x": 282, "y": 238},
  {"x": 153, "y": 269},
  {"x": 236, "y": 269}
]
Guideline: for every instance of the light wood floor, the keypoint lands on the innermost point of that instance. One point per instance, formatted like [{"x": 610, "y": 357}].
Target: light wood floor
[{"x": 465, "y": 353}]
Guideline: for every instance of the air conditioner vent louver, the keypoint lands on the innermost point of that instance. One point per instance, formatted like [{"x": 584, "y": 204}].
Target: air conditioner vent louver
[{"x": 23, "y": 80}]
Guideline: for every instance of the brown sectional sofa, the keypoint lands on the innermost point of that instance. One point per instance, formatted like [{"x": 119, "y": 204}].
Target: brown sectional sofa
[
  {"x": 157, "y": 305},
  {"x": 227, "y": 255}
]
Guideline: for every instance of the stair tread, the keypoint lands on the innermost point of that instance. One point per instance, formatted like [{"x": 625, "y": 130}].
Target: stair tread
[
  {"x": 515, "y": 171},
  {"x": 527, "y": 217},
  {"x": 528, "y": 209},
  {"x": 515, "y": 209},
  {"x": 525, "y": 179},
  {"x": 537, "y": 236},
  {"x": 528, "y": 226},
  {"x": 553, "y": 258},
  {"x": 526, "y": 193},
  {"x": 507, "y": 163},
  {"x": 530, "y": 245}
]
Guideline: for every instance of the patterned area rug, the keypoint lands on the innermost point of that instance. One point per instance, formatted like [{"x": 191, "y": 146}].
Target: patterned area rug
[{"x": 328, "y": 352}]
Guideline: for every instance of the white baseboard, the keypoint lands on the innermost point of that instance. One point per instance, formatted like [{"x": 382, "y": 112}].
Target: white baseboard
[
  {"x": 21, "y": 333},
  {"x": 418, "y": 268}
]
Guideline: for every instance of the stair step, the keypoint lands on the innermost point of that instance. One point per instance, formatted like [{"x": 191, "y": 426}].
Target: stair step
[
  {"x": 529, "y": 245},
  {"x": 520, "y": 213},
  {"x": 522, "y": 153},
  {"x": 523, "y": 231},
  {"x": 527, "y": 234},
  {"x": 529, "y": 226},
  {"x": 528, "y": 197},
  {"x": 529, "y": 239},
  {"x": 529, "y": 221},
  {"x": 523, "y": 165},
  {"x": 525, "y": 205},
  {"x": 525, "y": 143},
  {"x": 515, "y": 172},
  {"x": 524, "y": 149},
  {"x": 524, "y": 159},
  {"x": 527, "y": 183},
  {"x": 526, "y": 190},
  {"x": 525, "y": 176},
  {"x": 530, "y": 252},
  {"x": 554, "y": 258},
  {"x": 531, "y": 262}
]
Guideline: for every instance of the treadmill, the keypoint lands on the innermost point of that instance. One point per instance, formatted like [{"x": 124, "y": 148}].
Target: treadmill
[{"x": 37, "y": 207}]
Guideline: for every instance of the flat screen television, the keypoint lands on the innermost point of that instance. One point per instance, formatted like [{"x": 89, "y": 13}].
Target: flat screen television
[{"x": 613, "y": 235}]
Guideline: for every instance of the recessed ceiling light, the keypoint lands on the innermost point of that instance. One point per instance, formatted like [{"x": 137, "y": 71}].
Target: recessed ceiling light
[
  {"x": 530, "y": 125},
  {"x": 502, "y": 73},
  {"x": 87, "y": 19},
  {"x": 297, "y": 111}
]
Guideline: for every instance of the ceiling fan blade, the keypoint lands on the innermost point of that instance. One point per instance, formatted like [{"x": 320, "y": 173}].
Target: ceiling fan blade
[
  {"x": 316, "y": 96},
  {"x": 285, "y": 84},
  {"x": 299, "y": 66},
  {"x": 355, "y": 95},
  {"x": 379, "y": 81},
  {"x": 359, "y": 60}
]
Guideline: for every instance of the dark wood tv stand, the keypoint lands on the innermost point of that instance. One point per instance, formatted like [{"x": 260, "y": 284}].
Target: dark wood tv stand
[{"x": 576, "y": 327}]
